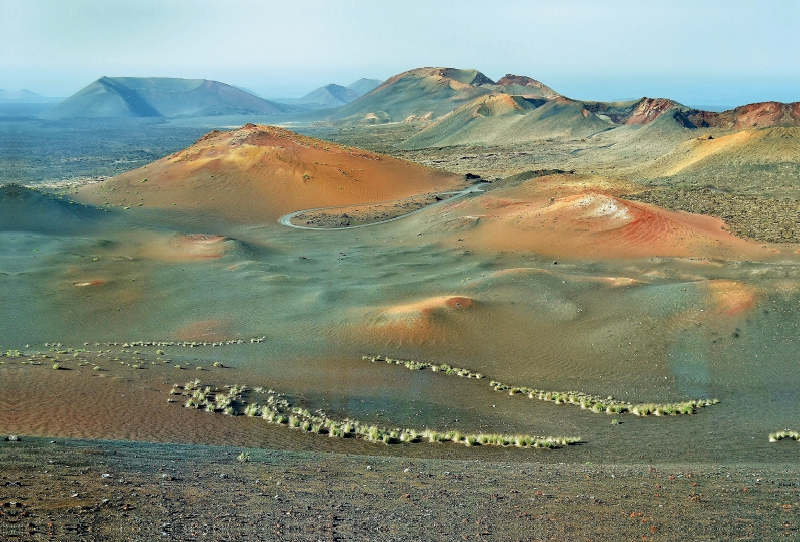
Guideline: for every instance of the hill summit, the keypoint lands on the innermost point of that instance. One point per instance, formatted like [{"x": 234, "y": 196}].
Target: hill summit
[
  {"x": 522, "y": 85},
  {"x": 132, "y": 97},
  {"x": 364, "y": 85},
  {"x": 332, "y": 95},
  {"x": 24, "y": 97},
  {"x": 422, "y": 93},
  {"x": 258, "y": 173}
]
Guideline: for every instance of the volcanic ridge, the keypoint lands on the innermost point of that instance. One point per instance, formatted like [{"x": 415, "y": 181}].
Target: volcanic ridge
[{"x": 258, "y": 173}]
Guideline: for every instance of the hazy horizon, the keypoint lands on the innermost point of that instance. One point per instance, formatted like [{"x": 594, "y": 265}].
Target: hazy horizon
[{"x": 715, "y": 54}]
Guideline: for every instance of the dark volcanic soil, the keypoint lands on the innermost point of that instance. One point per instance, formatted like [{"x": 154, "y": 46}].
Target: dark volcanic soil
[
  {"x": 101, "y": 490},
  {"x": 362, "y": 215}
]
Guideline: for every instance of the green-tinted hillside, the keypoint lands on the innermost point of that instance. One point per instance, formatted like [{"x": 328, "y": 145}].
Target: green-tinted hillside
[
  {"x": 505, "y": 120},
  {"x": 29, "y": 210},
  {"x": 424, "y": 93}
]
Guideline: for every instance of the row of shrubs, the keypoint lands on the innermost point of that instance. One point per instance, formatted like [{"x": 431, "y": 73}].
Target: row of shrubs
[
  {"x": 277, "y": 410},
  {"x": 419, "y": 365},
  {"x": 593, "y": 403},
  {"x": 190, "y": 344}
]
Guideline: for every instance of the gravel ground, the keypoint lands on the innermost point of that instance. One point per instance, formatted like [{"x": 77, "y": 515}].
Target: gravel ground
[
  {"x": 365, "y": 214},
  {"x": 102, "y": 490}
]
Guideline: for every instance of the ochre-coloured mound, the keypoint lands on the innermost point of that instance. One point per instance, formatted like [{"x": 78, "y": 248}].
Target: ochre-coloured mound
[
  {"x": 185, "y": 248},
  {"x": 730, "y": 298},
  {"x": 258, "y": 173},
  {"x": 420, "y": 322},
  {"x": 204, "y": 330},
  {"x": 611, "y": 282},
  {"x": 723, "y": 301},
  {"x": 697, "y": 150},
  {"x": 571, "y": 219},
  {"x": 764, "y": 147}
]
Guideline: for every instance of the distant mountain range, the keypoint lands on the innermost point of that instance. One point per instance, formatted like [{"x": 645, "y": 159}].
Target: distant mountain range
[
  {"x": 25, "y": 97},
  {"x": 465, "y": 107},
  {"x": 333, "y": 95},
  {"x": 450, "y": 106},
  {"x": 132, "y": 97},
  {"x": 430, "y": 93},
  {"x": 137, "y": 97},
  {"x": 424, "y": 93}
]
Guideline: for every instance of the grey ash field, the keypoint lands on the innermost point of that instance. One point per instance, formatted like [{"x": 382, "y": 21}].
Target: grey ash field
[{"x": 562, "y": 353}]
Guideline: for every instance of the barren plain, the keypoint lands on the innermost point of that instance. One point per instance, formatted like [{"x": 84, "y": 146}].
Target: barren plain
[{"x": 561, "y": 351}]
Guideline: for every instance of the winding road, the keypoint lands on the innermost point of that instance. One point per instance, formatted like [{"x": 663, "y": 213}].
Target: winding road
[{"x": 286, "y": 220}]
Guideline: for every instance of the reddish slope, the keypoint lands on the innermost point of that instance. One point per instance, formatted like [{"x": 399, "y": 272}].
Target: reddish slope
[
  {"x": 585, "y": 219},
  {"x": 757, "y": 115},
  {"x": 258, "y": 173},
  {"x": 647, "y": 110}
]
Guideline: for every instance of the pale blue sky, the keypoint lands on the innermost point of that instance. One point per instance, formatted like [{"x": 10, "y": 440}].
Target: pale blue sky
[{"x": 697, "y": 52}]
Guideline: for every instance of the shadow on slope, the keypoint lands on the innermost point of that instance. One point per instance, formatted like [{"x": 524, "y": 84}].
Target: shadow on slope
[{"x": 26, "y": 209}]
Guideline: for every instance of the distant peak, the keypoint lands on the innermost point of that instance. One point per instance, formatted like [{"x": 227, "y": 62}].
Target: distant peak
[
  {"x": 468, "y": 77},
  {"x": 521, "y": 80},
  {"x": 647, "y": 110},
  {"x": 521, "y": 84},
  {"x": 465, "y": 77}
]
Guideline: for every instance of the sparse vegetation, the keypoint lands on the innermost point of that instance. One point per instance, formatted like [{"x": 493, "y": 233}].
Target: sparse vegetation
[
  {"x": 593, "y": 403},
  {"x": 278, "y": 410},
  {"x": 785, "y": 434},
  {"x": 184, "y": 344}
]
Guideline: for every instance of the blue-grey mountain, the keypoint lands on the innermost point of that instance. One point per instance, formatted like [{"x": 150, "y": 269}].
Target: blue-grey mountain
[{"x": 136, "y": 97}]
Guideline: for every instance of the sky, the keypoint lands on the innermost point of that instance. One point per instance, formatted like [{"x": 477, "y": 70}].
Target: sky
[{"x": 712, "y": 52}]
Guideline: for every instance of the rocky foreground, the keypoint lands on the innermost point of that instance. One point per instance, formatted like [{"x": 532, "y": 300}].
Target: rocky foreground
[{"x": 100, "y": 490}]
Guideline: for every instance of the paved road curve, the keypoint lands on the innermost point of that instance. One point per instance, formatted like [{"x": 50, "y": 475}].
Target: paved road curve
[{"x": 286, "y": 220}]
